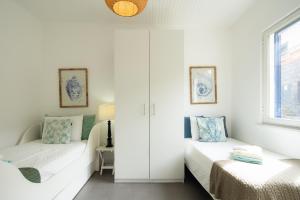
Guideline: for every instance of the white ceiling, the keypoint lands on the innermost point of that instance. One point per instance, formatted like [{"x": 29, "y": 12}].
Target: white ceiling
[{"x": 220, "y": 13}]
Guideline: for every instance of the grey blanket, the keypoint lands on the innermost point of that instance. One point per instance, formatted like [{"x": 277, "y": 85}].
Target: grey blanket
[{"x": 234, "y": 180}]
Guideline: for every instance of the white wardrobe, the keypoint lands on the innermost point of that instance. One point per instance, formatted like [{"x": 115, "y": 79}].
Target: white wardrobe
[{"x": 148, "y": 73}]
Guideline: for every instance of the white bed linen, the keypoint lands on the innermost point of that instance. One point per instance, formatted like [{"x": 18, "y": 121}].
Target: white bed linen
[
  {"x": 49, "y": 159},
  {"x": 200, "y": 156}
]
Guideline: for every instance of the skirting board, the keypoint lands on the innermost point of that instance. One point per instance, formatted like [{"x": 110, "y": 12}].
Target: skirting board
[{"x": 149, "y": 180}]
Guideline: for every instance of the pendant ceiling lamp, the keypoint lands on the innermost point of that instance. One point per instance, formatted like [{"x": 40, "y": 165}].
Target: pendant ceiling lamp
[{"x": 126, "y": 8}]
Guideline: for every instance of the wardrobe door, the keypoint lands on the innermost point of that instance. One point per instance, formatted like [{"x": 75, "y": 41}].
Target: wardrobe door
[
  {"x": 131, "y": 61},
  {"x": 166, "y": 105}
]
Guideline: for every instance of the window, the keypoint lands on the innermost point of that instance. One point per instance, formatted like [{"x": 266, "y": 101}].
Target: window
[{"x": 281, "y": 84}]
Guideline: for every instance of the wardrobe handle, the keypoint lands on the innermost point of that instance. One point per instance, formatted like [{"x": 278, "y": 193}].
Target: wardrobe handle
[{"x": 153, "y": 109}]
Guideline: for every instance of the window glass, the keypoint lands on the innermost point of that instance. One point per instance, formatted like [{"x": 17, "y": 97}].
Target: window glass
[{"x": 287, "y": 72}]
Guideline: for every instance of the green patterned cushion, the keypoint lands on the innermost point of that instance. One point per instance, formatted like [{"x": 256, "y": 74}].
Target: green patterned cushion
[
  {"x": 31, "y": 174},
  {"x": 88, "y": 123},
  {"x": 57, "y": 131}
]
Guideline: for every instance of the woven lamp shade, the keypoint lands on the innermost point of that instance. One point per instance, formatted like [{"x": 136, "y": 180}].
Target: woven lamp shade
[{"x": 126, "y": 8}]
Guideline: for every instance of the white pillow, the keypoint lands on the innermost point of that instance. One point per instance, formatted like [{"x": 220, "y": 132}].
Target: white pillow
[
  {"x": 195, "y": 131},
  {"x": 76, "y": 126}
]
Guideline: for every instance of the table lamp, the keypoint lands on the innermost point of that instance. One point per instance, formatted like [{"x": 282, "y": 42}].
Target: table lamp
[{"x": 107, "y": 113}]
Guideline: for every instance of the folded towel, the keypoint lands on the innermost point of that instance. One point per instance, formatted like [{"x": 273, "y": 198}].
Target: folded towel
[
  {"x": 247, "y": 153},
  {"x": 258, "y": 156},
  {"x": 247, "y": 159},
  {"x": 249, "y": 148}
]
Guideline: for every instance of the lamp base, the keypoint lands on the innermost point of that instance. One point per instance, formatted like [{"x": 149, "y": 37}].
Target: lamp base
[
  {"x": 109, "y": 143},
  {"x": 109, "y": 140}
]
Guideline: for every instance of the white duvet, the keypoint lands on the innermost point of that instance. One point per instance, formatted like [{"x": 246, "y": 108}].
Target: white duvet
[
  {"x": 200, "y": 156},
  {"x": 49, "y": 159}
]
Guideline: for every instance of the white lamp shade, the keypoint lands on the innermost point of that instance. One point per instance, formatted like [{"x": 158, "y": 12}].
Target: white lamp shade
[{"x": 106, "y": 112}]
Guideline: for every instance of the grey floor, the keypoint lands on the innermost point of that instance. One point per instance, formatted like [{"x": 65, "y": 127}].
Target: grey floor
[{"x": 103, "y": 188}]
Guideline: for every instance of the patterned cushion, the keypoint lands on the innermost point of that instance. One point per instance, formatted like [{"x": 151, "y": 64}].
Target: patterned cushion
[
  {"x": 77, "y": 122},
  {"x": 211, "y": 129},
  {"x": 222, "y": 117},
  {"x": 57, "y": 131},
  {"x": 88, "y": 123}
]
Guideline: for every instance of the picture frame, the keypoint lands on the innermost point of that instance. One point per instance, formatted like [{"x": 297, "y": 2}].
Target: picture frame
[
  {"x": 203, "y": 84},
  {"x": 73, "y": 87}
]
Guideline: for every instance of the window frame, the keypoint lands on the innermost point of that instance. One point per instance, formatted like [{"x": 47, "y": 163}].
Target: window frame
[{"x": 267, "y": 88}]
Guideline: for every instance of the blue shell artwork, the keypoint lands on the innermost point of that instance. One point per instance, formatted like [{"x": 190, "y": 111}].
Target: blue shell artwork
[
  {"x": 74, "y": 89},
  {"x": 203, "y": 87}
]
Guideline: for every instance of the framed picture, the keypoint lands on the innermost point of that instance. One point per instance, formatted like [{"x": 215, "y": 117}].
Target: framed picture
[
  {"x": 73, "y": 87},
  {"x": 203, "y": 85}
]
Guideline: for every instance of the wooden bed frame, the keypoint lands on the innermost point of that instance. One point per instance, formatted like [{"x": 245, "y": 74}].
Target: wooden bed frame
[{"x": 63, "y": 186}]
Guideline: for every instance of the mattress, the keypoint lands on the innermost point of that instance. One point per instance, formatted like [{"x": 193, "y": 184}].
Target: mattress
[
  {"x": 48, "y": 159},
  {"x": 200, "y": 156}
]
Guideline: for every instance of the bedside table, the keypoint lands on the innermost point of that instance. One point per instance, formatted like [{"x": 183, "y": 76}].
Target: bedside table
[{"x": 101, "y": 150}]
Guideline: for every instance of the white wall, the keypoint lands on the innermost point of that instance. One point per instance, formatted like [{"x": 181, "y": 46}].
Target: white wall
[
  {"x": 68, "y": 45},
  {"x": 20, "y": 64},
  {"x": 209, "y": 47},
  {"x": 246, "y": 36}
]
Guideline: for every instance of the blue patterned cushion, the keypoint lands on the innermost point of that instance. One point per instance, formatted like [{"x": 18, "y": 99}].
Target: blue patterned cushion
[
  {"x": 211, "y": 129},
  {"x": 222, "y": 117},
  {"x": 57, "y": 131}
]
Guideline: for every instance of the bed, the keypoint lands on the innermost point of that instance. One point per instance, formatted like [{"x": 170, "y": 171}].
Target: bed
[
  {"x": 63, "y": 168},
  {"x": 47, "y": 159},
  {"x": 211, "y": 165},
  {"x": 200, "y": 156}
]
